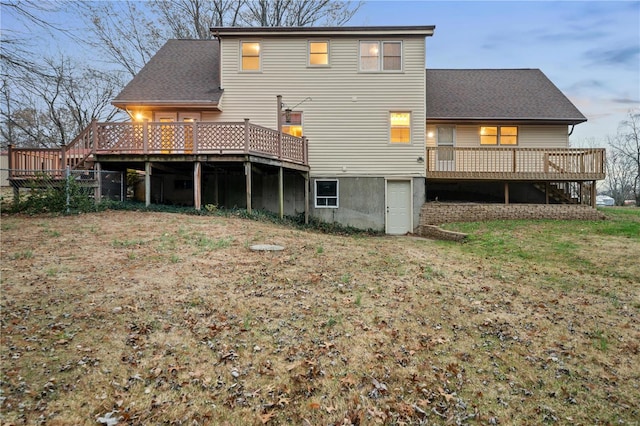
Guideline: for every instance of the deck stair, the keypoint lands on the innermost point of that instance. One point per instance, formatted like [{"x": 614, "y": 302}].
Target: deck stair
[{"x": 567, "y": 192}]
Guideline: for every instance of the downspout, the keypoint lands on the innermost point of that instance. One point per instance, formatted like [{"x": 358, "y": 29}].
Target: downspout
[{"x": 573, "y": 126}]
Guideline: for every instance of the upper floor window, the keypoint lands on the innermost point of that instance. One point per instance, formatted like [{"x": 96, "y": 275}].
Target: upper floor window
[
  {"x": 250, "y": 56},
  {"x": 318, "y": 53},
  {"x": 292, "y": 123},
  {"x": 380, "y": 56},
  {"x": 400, "y": 123},
  {"x": 498, "y": 135}
]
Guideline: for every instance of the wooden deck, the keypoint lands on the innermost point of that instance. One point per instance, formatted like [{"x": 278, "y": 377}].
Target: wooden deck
[
  {"x": 516, "y": 164},
  {"x": 155, "y": 141}
]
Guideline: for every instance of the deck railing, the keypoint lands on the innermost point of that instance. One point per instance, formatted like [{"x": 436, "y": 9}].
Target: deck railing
[
  {"x": 516, "y": 163},
  {"x": 161, "y": 138},
  {"x": 198, "y": 138}
]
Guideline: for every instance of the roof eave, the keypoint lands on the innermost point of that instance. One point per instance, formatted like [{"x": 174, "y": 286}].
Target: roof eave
[
  {"x": 424, "y": 30},
  {"x": 203, "y": 104},
  {"x": 537, "y": 120}
]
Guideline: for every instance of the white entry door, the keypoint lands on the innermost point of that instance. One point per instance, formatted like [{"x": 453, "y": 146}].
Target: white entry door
[
  {"x": 446, "y": 142},
  {"x": 399, "y": 218}
]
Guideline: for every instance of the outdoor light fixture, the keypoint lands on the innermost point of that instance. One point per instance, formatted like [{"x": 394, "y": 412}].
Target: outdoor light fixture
[
  {"x": 420, "y": 160},
  {"x": 287, "y": 115}
]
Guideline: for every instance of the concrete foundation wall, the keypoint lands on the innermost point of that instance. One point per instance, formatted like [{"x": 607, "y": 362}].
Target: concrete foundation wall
[
  {"x": 439, "y": 213},
  {"x": 265, "y": 192},
  {"x": 362, "y": 202}
]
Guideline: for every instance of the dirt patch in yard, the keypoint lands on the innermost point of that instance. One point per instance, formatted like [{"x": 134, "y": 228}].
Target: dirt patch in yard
[{"x": 172, "y": 319}]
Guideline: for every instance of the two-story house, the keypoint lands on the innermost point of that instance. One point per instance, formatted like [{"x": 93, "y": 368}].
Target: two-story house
[{"x": 344, "y": 124}]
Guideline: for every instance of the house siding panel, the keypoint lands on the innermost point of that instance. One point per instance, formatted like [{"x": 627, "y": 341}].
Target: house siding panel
[{"x": 347, "y": 122}]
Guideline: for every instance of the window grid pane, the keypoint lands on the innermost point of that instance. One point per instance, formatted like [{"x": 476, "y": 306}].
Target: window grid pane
[
  {"x": 400, "y": 127},
  {"x": 319, "y": 53},
  {"x": 489, "y": 135},
  {"x": 369, "y": 56},
  {"x": 250, "y": 56},
  {"x": 326, "y": 193},
  {"x": 392, "y": 56}
]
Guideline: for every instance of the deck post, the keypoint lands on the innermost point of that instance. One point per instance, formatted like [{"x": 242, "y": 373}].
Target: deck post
[
  {"x": 147, "y": 183},
  {"x": 9, "y": 158},
  {"x": 306, "y": 198},
  {"x": 98, "y": 177},
  {"x": 145, "y": 137},
  {"x": 506, "y": 192},
  {"x": 546, "y": 192},
  {"x": 94, "y": 136},
  {"x": 11, "y": 165},
  {"x": 593, "y": 194},
  {"x": 63, "y": 157},
  {"x": 305, "y": 152},
  {"x": 279, "y": 109},
  {"x": 281, "y": 192},
  {"x": 194, "y": 136},
  {"x": 247, "y": 172},
  {"x": 246, "y": 135},
  {"x": 197, "y": 185}
]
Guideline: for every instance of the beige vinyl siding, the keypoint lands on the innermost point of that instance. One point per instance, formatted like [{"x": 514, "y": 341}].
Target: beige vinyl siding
[
  {"x": 554, "y": 136},
  {"x": 347, "y": 120},
  {"x": 529, "y": 136}
]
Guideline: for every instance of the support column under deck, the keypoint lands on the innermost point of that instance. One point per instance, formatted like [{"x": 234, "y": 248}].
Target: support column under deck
[
  {"x": 147, "y": 184},
  {"x": 247, "y": 172},
  {"x": 306, "y": 198},
  {"x": 506, "y": 192},
  {"x": 197, "y": 185},
  {"x": 97, "y": 195},
  {"x": 546, "y": 192},
  {"x": 281, "y": 192}
]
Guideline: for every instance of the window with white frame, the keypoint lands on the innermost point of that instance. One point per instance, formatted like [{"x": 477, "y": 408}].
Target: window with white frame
[
  {"x": 318, "y": 53},
  {"x": 498, "y": 135},
  {"x": 327, "y": 193},
  {"x": 250, "y": 51},
  {"x": 400, "y": 127},
  {"x": 380, "y": 56}
]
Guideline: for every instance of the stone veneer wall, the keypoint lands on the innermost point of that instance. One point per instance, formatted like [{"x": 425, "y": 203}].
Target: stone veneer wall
[{"x": 438, "y": 213}]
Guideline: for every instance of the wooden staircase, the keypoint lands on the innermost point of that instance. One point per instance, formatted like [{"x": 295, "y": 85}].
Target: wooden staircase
[
  {"x": 77, "y": 155},
  {"x": 567, "y": 192}
]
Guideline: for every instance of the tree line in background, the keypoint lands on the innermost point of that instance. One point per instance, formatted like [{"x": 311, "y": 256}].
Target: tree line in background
[
  {"x": 623, "y": 161},
  {"x": 45, "y": 101}
]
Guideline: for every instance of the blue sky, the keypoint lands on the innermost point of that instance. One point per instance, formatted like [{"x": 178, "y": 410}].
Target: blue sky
[{"x": 589, "y": 49}]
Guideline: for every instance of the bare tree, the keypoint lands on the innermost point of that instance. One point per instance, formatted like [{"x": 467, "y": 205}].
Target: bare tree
[
  {"x": 298, "y": 13},
  {"x": 128, "y": 36},
  {"x": 133, "y": 33},
  {"x": 50, "y": 104},
  {"x": 619, "y": 176},
  {"x": 625, "y": 147},
  {"x": 193, "y": 18}
]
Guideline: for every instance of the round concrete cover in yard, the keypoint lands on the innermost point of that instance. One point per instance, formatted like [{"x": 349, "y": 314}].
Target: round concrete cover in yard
[{"x": 266, "y": 247}]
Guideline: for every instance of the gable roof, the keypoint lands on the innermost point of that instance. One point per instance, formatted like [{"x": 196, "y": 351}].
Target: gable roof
[
  {"x": 497, "y": 94},
  {"x": 181, "y": 73}
]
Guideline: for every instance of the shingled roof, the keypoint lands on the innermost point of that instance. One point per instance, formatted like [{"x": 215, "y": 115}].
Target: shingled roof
[
  {"x": 182, "y": 72},
  {"x": 497, "y": 94}
]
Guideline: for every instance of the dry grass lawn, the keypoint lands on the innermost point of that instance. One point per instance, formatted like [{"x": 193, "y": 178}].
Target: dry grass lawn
[{"x": 156, "y": 318}]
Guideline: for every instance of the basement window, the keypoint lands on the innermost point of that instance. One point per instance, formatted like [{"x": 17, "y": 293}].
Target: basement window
[{"x": 327, "y": 194}]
